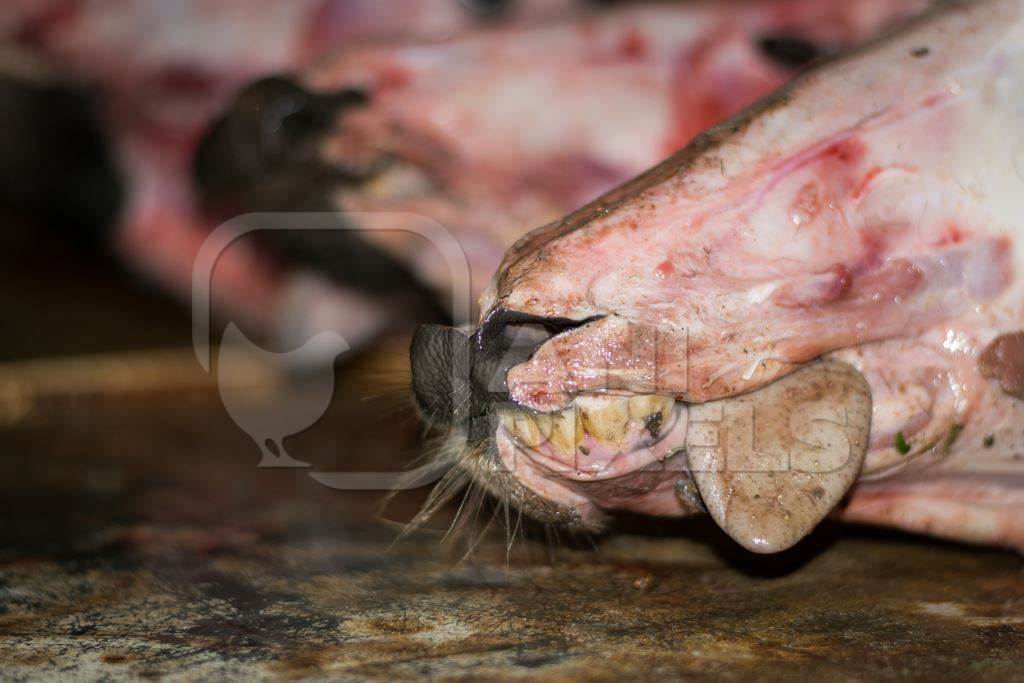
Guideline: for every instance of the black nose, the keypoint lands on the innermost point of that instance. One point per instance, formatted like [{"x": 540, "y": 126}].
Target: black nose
[
  {"x": 441, "y": 360},
  {"x": 262, "y": 154},
  {"x": 457, "y": 377}
]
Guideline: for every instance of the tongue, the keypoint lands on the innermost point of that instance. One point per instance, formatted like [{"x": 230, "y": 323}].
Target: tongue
[{"x": 771, "y": 464}]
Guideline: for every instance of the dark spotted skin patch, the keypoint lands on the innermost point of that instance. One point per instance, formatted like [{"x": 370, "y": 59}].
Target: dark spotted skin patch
[
  {"x": 652, "y": 423},
  {"x": 1003, "y": 361}
]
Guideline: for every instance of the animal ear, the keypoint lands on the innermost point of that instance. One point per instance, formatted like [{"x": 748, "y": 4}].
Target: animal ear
[{"x": 771, "y": 464}]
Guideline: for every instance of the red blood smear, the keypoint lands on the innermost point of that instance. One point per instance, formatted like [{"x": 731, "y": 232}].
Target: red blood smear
[
  {"x": 848, "y": 150},
  {"x": 952, "y": 235},
  {"x": 858, "y": 192},
  {"x": 664, "y": 269}
]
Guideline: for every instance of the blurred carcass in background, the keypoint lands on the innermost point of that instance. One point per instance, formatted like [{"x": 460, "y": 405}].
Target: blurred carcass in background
[{"x": 104, "y": 101}]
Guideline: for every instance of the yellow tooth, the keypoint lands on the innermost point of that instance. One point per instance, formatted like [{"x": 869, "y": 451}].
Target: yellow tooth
[
  {"x": 543, "y": 423},
  {"x": 526, "y": 430},
  {"x": 606, "y": 419},
  {"x": 522, "y": 427},
  {"x": 578, "y": 432},
  {"x": 563, "y": 432},
  {"x": 641, "y": 408}
]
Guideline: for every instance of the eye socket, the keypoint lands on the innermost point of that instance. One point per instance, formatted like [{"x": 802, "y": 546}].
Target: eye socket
[{"x": 487, "y": 9}]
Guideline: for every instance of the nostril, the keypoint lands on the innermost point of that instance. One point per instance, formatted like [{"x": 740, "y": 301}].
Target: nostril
[
  {"x": 505, "y": 339},
  {"x": 495, "y": 328},
  {"x": 270, "y": 133}
]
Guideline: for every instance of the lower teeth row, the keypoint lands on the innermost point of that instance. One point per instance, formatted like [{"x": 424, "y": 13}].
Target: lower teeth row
[{"x": 606, "y": 420}]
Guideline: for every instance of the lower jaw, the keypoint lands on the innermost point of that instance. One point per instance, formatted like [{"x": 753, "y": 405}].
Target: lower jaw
[
  {"x": 649, "y": 488},
  {"x": 541, "y": 484},
  {"x": 651, "y": 491}
]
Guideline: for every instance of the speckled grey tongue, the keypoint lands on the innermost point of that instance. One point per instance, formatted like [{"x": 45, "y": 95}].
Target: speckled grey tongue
[{"x": 771, "y": 464}]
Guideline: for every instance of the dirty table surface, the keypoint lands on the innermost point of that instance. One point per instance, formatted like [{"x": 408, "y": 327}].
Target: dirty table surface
[{"x": 138, "y": 538}]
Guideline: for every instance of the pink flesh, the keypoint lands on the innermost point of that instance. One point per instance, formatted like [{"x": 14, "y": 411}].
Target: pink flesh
[
  {"x": 166, "y": 71},
  {"x": 688, "y": 66},
  {"x": 873, "y": 210},
  {"x": 516, "y": 127}
]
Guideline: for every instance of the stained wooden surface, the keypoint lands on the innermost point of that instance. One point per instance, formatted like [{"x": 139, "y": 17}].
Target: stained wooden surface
[{"x": 138, "y": 538}]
